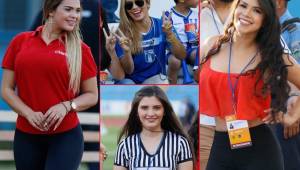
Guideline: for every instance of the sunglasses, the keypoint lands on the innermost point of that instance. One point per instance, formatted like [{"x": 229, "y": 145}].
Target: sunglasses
[{"x": 129, "y": 4}]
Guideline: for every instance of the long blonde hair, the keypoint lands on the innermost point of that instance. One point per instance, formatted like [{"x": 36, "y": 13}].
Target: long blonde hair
[
  {"x": 129, "y": 28},
  {"x": 73, "y": 41}
]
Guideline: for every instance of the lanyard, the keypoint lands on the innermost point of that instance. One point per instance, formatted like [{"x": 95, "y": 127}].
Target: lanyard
[
  {"x": 215, "y": 22},
  {"x": 233, "y": 86}
]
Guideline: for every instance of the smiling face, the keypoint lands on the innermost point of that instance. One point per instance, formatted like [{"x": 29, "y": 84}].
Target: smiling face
[
  {"x": 66, "y": 16},
  {"x": 248, "y": 17},
  {"x": 150, "y": 113},
  {"x": 136, "y": 9}
]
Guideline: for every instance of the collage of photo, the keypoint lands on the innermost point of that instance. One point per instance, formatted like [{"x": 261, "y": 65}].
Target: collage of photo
[{"x": 150, "y": 85}]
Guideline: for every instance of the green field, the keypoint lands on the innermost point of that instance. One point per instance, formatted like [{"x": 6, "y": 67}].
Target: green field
[
  {"x": 110, "y": 142},
  {"x": 11, "y": 166}
]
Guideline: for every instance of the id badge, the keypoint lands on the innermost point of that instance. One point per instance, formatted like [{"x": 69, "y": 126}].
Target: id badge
[{"x": 238, "y": 131}]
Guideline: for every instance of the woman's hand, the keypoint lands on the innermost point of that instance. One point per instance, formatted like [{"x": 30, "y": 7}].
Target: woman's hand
[
  {"x": 55, "y": 114},
  {"x": 207, "y": 4},
  {"x": 291, "y": 131},
  {"x": 289, "y": 119},
  {"x": 103, "y": 152},
  {"x": 36, "y": 119},
  {"x": 124, "y": 41},
  {"x": 270, "y": 119},
  {"x": 110, "y": 42}
]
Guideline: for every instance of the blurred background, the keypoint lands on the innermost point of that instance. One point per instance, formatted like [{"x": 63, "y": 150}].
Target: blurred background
[
  {"x": 19, "y": 15},
  {"x": 294, "y": 7},
  {"x": 115, "y": 106},
  {"x": 15, "y": 16},
  {"x": 23, "y": 15}
]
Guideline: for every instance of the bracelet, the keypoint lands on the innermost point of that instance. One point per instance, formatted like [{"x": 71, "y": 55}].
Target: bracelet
[
  {"x": 297, "y": 93},
  {"x": 64, "y": 106}
]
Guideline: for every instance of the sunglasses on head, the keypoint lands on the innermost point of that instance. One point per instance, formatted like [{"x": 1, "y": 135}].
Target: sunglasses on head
[{"x": 129, "y": 4}]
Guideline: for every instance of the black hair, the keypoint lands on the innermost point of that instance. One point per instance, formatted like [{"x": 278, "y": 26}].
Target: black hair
[
  {"x": 272, "y": 68},
  {"x": 105, "y": 58},
  {"x": 194, "y": 134},
  {"x": 169, "y": 121}
]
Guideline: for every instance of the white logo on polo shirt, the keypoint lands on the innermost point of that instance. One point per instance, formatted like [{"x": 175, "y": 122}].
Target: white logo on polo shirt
[{"x": 60, "y": 52}]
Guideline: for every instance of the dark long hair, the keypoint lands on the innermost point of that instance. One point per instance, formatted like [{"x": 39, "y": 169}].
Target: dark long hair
[
  {"x": 169, "y": 121},
  {"x": 105, "y": 58},
  {"x": 273, "y": 70},
  {"x": 194, "y": 134}
]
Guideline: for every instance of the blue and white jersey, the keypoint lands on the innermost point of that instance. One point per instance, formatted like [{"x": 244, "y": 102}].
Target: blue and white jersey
[
  {"x": 186, "y": 28},
  {"x": 292, "y": 35},
  {"x": 152, "y": 60},
  {"x": 172, "y": 150}
]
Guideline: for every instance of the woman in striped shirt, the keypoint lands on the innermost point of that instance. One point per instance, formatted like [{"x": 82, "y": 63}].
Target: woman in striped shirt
[{"x": 154, "y": 138}]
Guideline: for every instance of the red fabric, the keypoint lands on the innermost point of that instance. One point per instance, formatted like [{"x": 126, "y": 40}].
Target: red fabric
[
  {"x": 41, "y": 75},
  {"x": 216, "y": 98},
  {"x": 197, "y": 165}
]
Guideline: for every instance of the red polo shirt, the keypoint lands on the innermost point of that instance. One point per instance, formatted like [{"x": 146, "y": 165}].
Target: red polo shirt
[{"x": 41, "y": 75}]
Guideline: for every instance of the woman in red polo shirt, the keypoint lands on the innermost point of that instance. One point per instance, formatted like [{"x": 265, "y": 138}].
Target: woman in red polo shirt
[
  {"x": 48, "y": 75},
  {"x": 240, "y": 70}
]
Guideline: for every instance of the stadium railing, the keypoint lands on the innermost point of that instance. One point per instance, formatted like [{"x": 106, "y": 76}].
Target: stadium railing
[{"x": 85, "y": 118}]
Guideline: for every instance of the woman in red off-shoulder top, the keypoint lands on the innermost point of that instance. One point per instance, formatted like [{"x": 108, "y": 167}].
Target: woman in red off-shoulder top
[
  {"x": 48, "y": 75},
  {"x": 240, "y": 70}
]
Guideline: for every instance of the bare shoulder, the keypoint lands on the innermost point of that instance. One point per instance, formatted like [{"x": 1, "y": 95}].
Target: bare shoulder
[
  {"x": 289, "y": 60},
  {"x": 207, "y": 45},
  {"x": 293, "y": 70}
]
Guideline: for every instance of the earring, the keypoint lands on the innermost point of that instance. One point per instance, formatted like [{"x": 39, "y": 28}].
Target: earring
[{"x": 50, "y": 20}]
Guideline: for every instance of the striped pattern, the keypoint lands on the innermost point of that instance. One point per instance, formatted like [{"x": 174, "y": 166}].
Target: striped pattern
[{"x": 172, "y": 150}]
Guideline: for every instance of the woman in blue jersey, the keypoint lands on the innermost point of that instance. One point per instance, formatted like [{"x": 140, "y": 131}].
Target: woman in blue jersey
[
  {"x": 142, "y": 43},
  {"x": 154, "y": 138}
]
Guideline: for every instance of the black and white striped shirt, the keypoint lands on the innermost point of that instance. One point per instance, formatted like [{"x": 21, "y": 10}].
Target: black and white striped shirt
[{"x": 173, "y": 150}]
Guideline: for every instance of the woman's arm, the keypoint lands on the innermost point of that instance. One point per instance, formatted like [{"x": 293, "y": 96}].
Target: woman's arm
[
  {"x": 119, "y": 168},
  {"x": 127, "y": 62},
  {"x": 188, "y": 165},
  {"x": 125, "y": 43},
  {"x": 293, "y": 77},
  {"x": 115, "y": 67},
  {"x": 10, "y": 97},
  {"x": 87, "y": 99},
  {"x": 89, "y": 94}
]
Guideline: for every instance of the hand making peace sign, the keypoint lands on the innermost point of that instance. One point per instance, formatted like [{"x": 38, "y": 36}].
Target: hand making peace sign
[
  {"x": 124, "y": 42},
  {"x": 111, "y": 40}
]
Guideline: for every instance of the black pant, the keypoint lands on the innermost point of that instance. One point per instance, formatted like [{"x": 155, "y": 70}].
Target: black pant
[
  {"x": 264, "y": 154},
  {"x": 290, "y": 149},
  {"x": 61, "y": 151}
]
